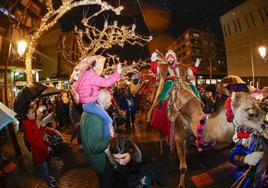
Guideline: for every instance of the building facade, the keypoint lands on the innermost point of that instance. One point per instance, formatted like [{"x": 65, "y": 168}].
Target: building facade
[
  {"x": 194, "y": 44},
  {"x": 18, "y": 21},
  {"x": 245, "y": 28}
]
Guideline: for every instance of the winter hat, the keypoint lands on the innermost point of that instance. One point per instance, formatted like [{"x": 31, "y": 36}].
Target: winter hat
[
  {"x": 99, "y": 61},
  {"x": 171, "y": 54}
]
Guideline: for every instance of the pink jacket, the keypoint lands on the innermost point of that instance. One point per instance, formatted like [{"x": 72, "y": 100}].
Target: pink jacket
[{"x": 89, "y": 85}]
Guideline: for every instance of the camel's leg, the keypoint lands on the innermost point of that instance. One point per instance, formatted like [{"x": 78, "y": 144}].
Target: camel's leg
[{"x": 180, "y": 141}]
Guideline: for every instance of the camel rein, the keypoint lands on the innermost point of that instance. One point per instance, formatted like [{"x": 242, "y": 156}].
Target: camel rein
[{"x": 200, "y": 144}]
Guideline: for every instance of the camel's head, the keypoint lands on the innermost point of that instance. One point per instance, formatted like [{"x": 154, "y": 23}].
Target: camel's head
[
  {"x": 246, "y": 110},
  {"x": 264, "y": 105}
]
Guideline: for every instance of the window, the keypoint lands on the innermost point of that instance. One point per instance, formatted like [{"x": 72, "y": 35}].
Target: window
[
  {"x": 262, "y": 18},
  {"x": 228, "y": 29},
  {"x": 195, "y": 34},
  {"x": 252, "y": 18},
  {"x": 265, "y": 11},
  {"x": 235, "y": 26},
  {"x": 35, "y": 9},
  {"x": 29, "y": 21},
  {"x": 246, "y": 18},
  {"x": 196, "y": 51},
  {"x": 33, "y": 22},
  {"x": 239, "y": 25},
  {"x": 194, "y": 41},
  {"x": 224, "y": 30}
]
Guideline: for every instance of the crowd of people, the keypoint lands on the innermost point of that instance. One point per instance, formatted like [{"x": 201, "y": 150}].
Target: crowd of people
[{"x": 104, "y": 107}]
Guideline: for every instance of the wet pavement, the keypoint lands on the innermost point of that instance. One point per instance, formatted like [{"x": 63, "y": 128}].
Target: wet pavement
[{"x": 205, "y": 169}]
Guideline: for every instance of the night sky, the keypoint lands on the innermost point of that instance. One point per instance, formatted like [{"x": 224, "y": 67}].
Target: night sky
[{"x": 200, "y": 14}]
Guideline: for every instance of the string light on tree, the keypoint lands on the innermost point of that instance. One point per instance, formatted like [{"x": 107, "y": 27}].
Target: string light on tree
[
  {"x": 51, "y": 18},
  {"x": 107, "y": 37},
  {"x": 127, "y": 67}
]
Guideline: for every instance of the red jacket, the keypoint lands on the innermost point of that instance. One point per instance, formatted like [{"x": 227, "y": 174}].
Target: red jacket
[
  {"x": 35, "y": 137},
  {"x": 153, "y": 66}
]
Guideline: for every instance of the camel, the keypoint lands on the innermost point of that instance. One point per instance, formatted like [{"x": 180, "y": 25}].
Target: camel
[
  {"x": 163, "y": 69},
  {"x": 185, "y": 110}
]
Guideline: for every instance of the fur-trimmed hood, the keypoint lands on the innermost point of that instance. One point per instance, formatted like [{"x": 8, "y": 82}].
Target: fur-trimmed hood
[{"x": 136, "y": 154}]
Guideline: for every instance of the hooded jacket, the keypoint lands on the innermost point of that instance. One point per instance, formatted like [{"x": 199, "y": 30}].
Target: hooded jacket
[{"x": 90, "y": 83}]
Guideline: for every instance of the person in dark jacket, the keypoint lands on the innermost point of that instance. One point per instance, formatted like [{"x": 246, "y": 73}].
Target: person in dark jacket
[
  {"x": 127, "y": 167},
  {"x": 60, "y": 112},
  {"x": 94, "y": 141},
  {"x": 128, "y": 105}
]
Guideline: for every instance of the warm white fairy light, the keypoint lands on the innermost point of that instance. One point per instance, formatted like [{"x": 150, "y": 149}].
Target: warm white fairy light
[
  {"x": 51, "y": 18},
  {"x": 127, "y": 67},
  {"x": 108, "y": 36}
]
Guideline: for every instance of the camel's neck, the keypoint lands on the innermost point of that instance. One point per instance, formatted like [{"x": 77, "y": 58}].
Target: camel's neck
[{"x": 218, "y": 129}]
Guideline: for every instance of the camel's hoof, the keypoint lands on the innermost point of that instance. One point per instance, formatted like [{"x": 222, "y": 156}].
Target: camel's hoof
[{"x": 181, "y": 186}]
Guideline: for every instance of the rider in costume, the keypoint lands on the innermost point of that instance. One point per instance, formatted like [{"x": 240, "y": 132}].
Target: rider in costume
[
  {"x": 247, "y": 155},
  {"x": 167, "y": 79}
]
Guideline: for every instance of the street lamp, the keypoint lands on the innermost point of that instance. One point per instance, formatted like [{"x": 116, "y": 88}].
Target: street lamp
[
  {"x": 22, "y": 45},
  {"x": 262, "y": 52}
]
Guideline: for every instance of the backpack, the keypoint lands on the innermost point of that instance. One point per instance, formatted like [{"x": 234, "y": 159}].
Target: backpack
[{"x": 79, "y": 71}]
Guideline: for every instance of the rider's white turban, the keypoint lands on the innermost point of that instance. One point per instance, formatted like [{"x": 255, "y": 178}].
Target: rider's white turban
[{"x": 171, "y": 54}]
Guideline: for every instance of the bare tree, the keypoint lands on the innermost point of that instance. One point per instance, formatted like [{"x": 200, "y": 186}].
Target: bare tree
[{"x": 51, "y": 18}]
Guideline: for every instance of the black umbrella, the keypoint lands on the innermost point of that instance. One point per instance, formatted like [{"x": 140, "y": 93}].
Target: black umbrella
[
  {"x": 50, "y": 91},
  {"x": 28, "y": 93}
]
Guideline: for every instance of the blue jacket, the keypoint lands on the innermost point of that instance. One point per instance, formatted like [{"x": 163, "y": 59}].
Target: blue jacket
[{"x": 238, "y": 152}]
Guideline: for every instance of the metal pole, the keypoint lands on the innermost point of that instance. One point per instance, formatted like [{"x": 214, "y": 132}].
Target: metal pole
[
  {"x": 252, "y": 64},
  {"x": 5, "y": 75}
]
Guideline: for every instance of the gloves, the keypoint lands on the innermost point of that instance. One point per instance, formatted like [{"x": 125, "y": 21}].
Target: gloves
[
  {"x": 197, "y": 62},
  {"x": 253, "y": 158},
  {"x": 154, "y": 56},
  {"x": 119, "y": 68}
]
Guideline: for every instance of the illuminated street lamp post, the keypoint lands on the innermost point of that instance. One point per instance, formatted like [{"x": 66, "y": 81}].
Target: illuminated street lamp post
[
  {"x": 22, "y": 45},
  {"x": 262, "y": 53},
  {"x": 10, "y": 127}
]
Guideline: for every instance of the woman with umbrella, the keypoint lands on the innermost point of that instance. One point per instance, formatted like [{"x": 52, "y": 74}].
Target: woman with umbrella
[{"x": 39, "y": 147}]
